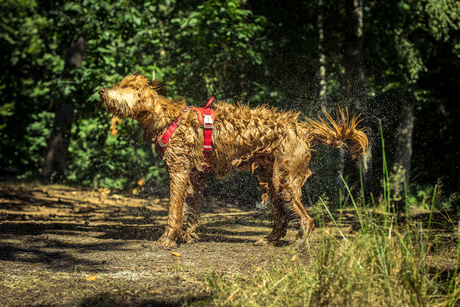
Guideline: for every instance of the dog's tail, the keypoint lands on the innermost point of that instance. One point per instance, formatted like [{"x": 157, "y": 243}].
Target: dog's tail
[{"x": 334, "y": 133}]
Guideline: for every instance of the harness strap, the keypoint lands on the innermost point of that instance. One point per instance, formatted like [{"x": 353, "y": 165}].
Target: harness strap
[
  {"x": 209, "y": 103},
  {"x": 163, "y": 140},
  {"x": 208, "y": 122},
  {"x": 206, "y": 118}
]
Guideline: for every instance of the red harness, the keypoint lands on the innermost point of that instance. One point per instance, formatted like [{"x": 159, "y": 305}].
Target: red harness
[{"x": 206, "y": 117}]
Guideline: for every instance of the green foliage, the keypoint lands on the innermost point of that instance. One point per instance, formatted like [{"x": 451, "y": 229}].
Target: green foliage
[
  {"x": 99, "y": 159},
  {"x": 120, "y": 37},
  {"x": 38, "y": 133},
  {"x": 210, "y": 45},
  {"x": 5, "y": 111},
  {"x": 21, "y": 42}
]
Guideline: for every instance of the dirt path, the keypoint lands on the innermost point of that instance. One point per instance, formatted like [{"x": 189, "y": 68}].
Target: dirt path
[{"x": 63, "y": 246}]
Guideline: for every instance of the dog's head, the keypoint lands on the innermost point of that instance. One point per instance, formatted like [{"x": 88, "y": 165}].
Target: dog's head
[{"x": 133, "y": 95}]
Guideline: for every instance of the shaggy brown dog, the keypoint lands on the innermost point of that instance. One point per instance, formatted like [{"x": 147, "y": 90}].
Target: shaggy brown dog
[{"x": 242, "y": 138}]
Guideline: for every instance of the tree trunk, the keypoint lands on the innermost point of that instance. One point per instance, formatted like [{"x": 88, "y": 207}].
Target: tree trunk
[
  {"x": 322, "y": 57},
  {"x": 354, "y": 88},
  {"x": 403, "y": 155},
  {"x": 402, "y": 159},
  {"x": 55, "y": 164}
]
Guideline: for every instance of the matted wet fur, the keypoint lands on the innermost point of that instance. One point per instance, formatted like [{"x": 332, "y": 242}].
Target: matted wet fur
[{"x": 242, "y": 138}]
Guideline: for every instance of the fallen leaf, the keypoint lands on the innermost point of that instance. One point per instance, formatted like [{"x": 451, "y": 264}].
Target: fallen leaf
[
  {"x": 176, "y": 254},
  {"x": 294, "y": 258},
  {"x": 141, "y": 181},
  {"x": 91, "y": 278},
  {"x": 104, "y": 190}
]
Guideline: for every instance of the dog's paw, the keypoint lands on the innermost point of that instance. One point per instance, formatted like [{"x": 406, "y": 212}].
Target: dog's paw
[
  {"x": 165, "y": 242},
  {"x": 306, "y": 229},
  {"x": 190, "y": 237}
]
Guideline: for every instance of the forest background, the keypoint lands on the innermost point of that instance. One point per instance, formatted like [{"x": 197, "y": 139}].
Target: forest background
[{"x": 397, "y": 63}]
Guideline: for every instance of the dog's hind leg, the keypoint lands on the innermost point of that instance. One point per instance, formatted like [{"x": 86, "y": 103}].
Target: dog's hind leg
[
  {"x": 291, "y": 194},
  {"x": 198, "y": 181},
  {"x": 281, "y": 217},
  {"x": 290, "y": 173},
  {"x": 179, "y": 182}
]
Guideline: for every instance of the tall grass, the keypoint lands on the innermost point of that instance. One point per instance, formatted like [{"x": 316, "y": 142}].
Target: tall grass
[
  {"x": 366, "y": 270},
  {"x": 381, "y": 265}
]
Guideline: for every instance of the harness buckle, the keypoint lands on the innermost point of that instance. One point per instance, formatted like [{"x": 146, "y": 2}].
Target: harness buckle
[
  {"x": 207, "y": 147},
  {"x": 161, "y": 144},
  {"x": 207, "y": 121}
]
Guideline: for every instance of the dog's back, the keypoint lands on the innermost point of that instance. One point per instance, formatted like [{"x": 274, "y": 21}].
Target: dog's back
[{"x": 242, "y": 133}]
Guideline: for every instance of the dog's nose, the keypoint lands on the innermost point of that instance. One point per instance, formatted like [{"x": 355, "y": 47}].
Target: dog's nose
[{"x": 102, "y": 91}]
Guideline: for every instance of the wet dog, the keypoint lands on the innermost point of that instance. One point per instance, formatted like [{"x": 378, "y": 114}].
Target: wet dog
[{"x": 242, "y": 138}]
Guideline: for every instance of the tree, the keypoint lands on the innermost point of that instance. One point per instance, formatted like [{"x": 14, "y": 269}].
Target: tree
[
  {"x": 322, "y": 57},
  {"x": 442, "y": 18},
  {"x": 55, "y": 163},
  {"x": 355, "y": 89},
  {"x": 404, "y": 36}
]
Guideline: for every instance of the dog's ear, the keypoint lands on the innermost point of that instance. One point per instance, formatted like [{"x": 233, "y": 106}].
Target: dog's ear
[
  {"x": 148, "y": 101},
  {"x": 158, "y": 86},
  {"x": 137, "y": 73}
]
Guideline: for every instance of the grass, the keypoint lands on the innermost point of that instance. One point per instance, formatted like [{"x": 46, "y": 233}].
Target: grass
[
  {"x": 365, "y": 270},
  {"x": 383, "y": 264}
]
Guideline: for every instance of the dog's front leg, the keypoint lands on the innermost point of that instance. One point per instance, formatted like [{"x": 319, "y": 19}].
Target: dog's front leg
[
  {"x": 178, "y": 186},
  {"x": 198, "y": 181}
]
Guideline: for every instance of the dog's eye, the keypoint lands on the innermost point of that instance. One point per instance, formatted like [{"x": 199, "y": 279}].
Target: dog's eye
[{"x": 124, "y": 86}]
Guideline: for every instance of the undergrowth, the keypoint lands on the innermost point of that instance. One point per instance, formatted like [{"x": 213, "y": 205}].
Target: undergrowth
[{"x": 366, "y": 270}]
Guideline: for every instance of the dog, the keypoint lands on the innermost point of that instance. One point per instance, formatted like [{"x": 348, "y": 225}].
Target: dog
[{"x": 243, "y": 138}]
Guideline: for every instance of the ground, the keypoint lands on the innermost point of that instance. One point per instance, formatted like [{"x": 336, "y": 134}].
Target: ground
[
  {"x": 64, "y": 246},
  {"x": 76, "y": 247}
]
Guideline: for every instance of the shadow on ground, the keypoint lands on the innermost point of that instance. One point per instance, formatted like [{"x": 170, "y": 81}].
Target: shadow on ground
[{"x": 64, "y": 246}]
